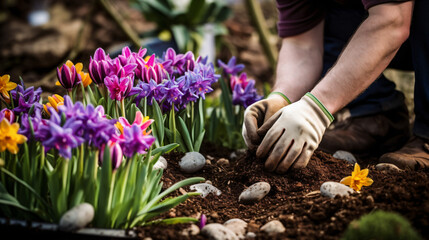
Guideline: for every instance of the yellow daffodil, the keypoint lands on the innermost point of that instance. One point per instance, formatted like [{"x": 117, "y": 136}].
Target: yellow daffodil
[
  {"x": 6, "y": 85},
  {"x": 86, "y": 79},
  {"x": 358, "y": 178},
  {"x": 9, "y": 137},
  {"x": 54, "y": 101}
]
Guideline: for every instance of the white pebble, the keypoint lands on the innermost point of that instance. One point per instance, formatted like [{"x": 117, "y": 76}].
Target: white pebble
[
  {"x": 160, "y": 164},
  {"x": 205, "y": 189},
  {"x": 255, "y": 192},
  {"x": 217, "y": 231},
  {"x": 388, "y": 167},
  {"x": 332, "y": 189},
  {"x": 273, "y": 227},
  {"x": 192, "y": 162},
  {"x": 77, "y": 217},
  {"x": 237, "y": 226},
  {"x": 344, "y": 155}
]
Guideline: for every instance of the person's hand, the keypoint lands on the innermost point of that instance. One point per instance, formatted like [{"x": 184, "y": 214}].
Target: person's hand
[
  {"x": 293, "y": 133},
  {"x": 257, "y": 114}
]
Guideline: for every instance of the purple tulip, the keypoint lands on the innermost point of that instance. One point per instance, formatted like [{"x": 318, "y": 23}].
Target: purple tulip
[
  {"x": 8, "y": 115},
  {"x": 68, "y": 76},
  {"x": 231, "y": 67},
  {"x": 119, "y": 87},
  {"x": 203, "y": 221},
  {"x": 116, "y": 154},
  {"x": 99, "y": 66}
]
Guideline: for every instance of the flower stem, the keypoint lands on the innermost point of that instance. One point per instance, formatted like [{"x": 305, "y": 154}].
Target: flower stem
[{"x": 123, "y": 107}]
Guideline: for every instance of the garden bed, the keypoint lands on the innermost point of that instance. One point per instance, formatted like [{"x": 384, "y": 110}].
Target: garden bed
[{"x": 294, "y": 199}]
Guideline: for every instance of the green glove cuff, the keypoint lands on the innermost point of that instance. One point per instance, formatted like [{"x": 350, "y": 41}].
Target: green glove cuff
[
  {"x": 282, "y": 95},
  {"x": 327, "y": 113}
]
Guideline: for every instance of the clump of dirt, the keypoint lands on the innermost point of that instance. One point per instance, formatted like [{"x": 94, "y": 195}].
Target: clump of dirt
[{"x": 294, "y": 198}]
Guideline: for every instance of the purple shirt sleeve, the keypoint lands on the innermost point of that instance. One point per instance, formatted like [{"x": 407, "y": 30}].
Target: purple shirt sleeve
[{"x": 299, "y": 16}]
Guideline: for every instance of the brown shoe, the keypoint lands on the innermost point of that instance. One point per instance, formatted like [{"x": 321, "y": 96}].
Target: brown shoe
[
  {"x": 414, "y": 155},
  {"x": 368, "y": 136}
]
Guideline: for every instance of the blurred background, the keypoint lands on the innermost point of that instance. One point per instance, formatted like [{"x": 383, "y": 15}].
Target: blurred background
[{"x": 37, "y": 36}]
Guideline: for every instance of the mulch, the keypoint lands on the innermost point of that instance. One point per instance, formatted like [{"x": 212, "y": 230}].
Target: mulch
[{"x": 293, "y": 198}]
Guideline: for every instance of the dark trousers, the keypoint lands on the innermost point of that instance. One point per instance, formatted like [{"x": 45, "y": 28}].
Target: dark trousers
[{"x": 340, "y": 24}]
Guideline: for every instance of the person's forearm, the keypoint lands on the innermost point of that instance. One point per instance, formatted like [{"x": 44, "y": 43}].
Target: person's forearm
[
  {"x": 300, "y": 63},
  {"x": 368, "y": 53}
]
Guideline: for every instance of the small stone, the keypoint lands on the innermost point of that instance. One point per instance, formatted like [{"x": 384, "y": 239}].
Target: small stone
[
  {"x": 237, "y": 226},
  {"x": 209, "y": 182},
  {"x": 344, "y": 155},
  {"x": 77, "y": 217},
  {"x": 217, "y": 231},
  {"x": 205, "y": 189},
  {"x": 388, "y": 167},
  {"x": 332, "y": 189},
  {"x": 250, "y": 235},
  {"x": 255, "y": 192},
  {"x": 208, "y": 162},
  {"x": 192, "y": 162},
  {"x": 223, "y": 162},
  {"x": 192, "y": 230},
  {"x": 273, "y": 227},
  {"x": 160, "y": 164}
]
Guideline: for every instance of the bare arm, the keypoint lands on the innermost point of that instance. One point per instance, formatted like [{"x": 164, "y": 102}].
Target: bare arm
[
  {"x": 368, "y": 53},
  {"x": 300, "y": 63}
]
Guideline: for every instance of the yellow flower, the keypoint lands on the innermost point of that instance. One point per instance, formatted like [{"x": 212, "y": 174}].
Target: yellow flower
[
  {"x": 357, "y": 179},
  {"x": 54, "y": 101},
  {"x": 6, "y": 86},
  {"x": 86, "y": 79},
  {"x": 9, "y": 137}
]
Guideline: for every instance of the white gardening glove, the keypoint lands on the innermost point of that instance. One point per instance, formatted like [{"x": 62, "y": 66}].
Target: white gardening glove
[
  {"x": 257, "y": 114},
  {"x": 293, "y": 133}
]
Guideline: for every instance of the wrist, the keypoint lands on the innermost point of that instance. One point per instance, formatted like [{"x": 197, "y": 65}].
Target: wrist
[
  {"x": 279, "y": 94},
  {"x": 321, "y": 106}
]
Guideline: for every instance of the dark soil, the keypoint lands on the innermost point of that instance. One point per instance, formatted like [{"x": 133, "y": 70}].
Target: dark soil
[{"x": 294, "y": 199}]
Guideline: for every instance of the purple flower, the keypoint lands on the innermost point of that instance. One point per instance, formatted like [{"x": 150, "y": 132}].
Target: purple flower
[
  {"x": 150, "y": 70},
  {"x": 134, "y": 141},
  {"x": 231, "y": 67},
  {"x": 237, "y": 80},
  {"x": 26, "y": 98},
  {"x": 36, "y": 122},
  {"x": 203, "y": 221},
  {"x": 116, "y": 154},
  {"x": 122, "y": 70},
  {"x": 68, "y": 76},
  {"x": 245, "y": 96},
  {"x": 150, "y": 90},
  {"x": 95, "y": 128},
  {"x": 119, "y": 87},
  {"x": 62, "y": 138},
  {"x": 99, "y": 66}
]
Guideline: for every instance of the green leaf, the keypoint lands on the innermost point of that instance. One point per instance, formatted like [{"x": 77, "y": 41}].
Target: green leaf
[
  {"x": 185, "y": 134},
  {"x": 199, "y": 141},
  {"x": 195, "y": 11},
  {"x": 165, "y": 149},
  {"x": 159, "y": 122},
  {"x": 171, "y": 221}
]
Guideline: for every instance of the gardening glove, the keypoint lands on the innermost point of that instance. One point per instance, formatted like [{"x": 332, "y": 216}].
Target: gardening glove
[
  {"x": 293, "y": 133},
  {"x": 257, "y": 114}
]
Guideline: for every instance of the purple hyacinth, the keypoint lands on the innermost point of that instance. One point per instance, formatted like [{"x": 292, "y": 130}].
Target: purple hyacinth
[
  {"x": 36, "y": 122},
  {"x": 150, "y": 90},
  {"x": 99, "y": 66},
  {"x": 119, "y": 87},
  {"x": 26, "y": 98},
  {"x": 95, "y": 128},
  {"x": 231, "y": 67},
  {"x": 245, "y": 96},
  {"x": 68, "y": 76},
  {"x": 134, "y": 141},
  {"x": 62, "y": 138}
]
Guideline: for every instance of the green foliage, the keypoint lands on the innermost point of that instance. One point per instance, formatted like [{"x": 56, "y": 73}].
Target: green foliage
[
  {"x": 381, "y": 225},
  {"x": 185, "y": 19}
]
